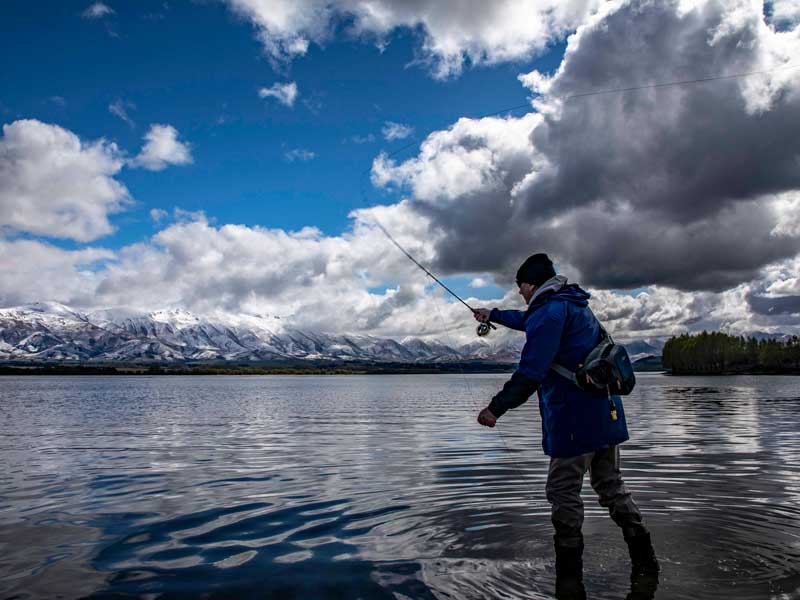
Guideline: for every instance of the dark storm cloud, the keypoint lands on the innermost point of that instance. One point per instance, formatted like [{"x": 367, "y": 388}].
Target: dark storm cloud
[
  {"x": 672, "y": 186},
  {"x": 683, "y": 151},
  {"x": 631, "y": 249}
]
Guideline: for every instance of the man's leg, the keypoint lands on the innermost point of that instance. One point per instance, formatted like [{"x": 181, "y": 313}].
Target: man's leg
[
  {"x": 564, "y": 482},
  {"x": 606, "y": 479}
]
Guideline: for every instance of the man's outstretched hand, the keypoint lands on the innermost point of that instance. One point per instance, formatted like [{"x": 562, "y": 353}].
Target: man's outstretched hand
[
  {"x": 485, "y": 417},
  {"x": 482, "y": 314}
]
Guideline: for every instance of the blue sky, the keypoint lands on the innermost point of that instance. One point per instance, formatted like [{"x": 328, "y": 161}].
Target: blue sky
[
  {"x": 679, "y": 207},
  {"x": 199, "y": 68}
]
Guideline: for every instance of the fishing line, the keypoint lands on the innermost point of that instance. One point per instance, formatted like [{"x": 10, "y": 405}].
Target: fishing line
[
  {"x": 683, "y": 82},
  {"x": 528, "y": 106},
  {"x": 436, "y": 279},
  {"x": 648, "y": 86}
]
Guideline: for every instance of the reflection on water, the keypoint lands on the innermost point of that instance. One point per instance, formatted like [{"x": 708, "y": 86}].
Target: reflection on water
[{"x": 378, "y": 487}]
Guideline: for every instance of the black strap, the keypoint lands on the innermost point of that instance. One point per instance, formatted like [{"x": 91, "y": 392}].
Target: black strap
[{"x": 565, "y": 372}]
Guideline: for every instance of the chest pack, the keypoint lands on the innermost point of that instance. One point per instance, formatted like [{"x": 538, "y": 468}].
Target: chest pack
[{"x": 606, "y": 369}]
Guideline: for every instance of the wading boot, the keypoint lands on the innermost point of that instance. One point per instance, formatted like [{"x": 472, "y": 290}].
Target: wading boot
[
  {"x": 643, "y": 557},
  {"x": 569, "y": 573},
  {"x": 643, "y": 587}
]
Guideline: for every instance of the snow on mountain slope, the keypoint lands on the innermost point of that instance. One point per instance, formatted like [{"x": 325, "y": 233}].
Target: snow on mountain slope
[{"x": 48, "y": 331}]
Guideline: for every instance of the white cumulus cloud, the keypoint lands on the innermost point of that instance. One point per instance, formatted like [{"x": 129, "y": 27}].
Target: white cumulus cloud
[
  {"x": 299, "y": 154},
  {"x": 285, "y": 93},
  {"x": 53, "y": 184},
  {"x": 785, "y": 12},
  {"x": 34, "y": 271},
  {"x": 158, "y": 215},
  {"x": 328, "y": 283},
  {"x": 363, "y": 139},
  {"x": 97, "y": 10},
  {"x": 454, "y": 32},
  {"x": 162, "y": 148},
  {"x": 479, "y": 282},
  {"x": 119, "y": 108},
  {"x": 396, "y": 131}
]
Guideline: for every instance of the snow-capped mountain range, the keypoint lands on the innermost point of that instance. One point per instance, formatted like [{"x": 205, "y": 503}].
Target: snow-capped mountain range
[{"x": 52, "y": 332}]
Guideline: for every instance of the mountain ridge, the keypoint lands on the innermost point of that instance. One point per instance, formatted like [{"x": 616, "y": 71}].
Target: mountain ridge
[
  {"x": 50, "y": 332},
  {"x": 53, "y": 332}
]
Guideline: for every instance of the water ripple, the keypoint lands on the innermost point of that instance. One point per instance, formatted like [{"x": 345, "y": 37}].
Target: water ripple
[{"x": 378, "y": 487}]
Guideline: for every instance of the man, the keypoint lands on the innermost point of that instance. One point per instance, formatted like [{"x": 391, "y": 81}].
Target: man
[{"x": 579, "y": 431}]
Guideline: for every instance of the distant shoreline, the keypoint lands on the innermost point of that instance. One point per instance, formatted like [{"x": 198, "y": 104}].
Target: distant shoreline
[
  {"x": 284, "y": 369},
  {"x": 313, "y": 369}
]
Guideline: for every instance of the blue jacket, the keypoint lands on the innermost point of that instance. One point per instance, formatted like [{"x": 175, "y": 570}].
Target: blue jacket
[{"x": 560, "y": 327}]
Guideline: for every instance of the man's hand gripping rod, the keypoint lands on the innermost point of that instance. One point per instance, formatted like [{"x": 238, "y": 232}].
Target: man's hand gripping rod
[{"x": 483, "y": 328}]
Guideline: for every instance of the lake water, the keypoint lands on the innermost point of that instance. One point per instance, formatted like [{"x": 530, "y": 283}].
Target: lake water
[{"x": 378, "y": 487}]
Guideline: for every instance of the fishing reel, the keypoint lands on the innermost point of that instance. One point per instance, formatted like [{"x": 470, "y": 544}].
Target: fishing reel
[{"x": 484, "y": 329}]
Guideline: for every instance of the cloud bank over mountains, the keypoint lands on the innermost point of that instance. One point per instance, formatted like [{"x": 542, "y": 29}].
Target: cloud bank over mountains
[{"x": 689, "y": 194}]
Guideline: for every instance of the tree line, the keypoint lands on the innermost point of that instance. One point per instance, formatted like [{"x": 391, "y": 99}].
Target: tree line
[{"x": 717, "y": 353}]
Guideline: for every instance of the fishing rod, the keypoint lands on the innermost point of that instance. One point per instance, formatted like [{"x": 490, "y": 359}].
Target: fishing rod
[{"x": 483, "y": 328}]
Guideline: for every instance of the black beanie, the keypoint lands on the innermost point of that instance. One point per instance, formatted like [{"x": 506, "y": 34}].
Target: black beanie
[{"x": 536, "y": 269}]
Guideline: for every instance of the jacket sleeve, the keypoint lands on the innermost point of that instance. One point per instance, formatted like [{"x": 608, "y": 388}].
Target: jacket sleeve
[
  {"x": 543, "y": 338},
  {"x": 516, "y": 391},
  {"x": 513, "y": 319}
]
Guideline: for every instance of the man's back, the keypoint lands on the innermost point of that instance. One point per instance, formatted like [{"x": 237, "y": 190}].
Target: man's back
[{"x": 560, "y": 327}]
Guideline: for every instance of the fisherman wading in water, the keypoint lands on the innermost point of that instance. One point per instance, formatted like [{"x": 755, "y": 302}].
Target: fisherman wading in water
[{"x": 579, "y": 431}]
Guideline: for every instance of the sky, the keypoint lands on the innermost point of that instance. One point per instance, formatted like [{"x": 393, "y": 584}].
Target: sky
[{"x": 235, "y": 157}]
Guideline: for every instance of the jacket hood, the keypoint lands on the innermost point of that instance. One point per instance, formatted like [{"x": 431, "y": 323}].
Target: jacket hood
[
  {"x": 558, "y": 288},
  {"x": 573, "y": 293}
]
